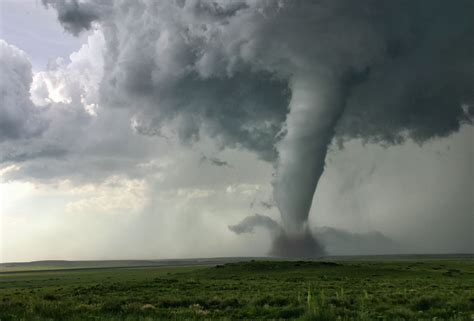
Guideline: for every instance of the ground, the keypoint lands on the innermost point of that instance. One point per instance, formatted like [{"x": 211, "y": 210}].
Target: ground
[{"x": 368, "y": 289}]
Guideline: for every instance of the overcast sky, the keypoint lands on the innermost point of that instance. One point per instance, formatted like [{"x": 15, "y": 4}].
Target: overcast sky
[{"x": 111, "y": 148}]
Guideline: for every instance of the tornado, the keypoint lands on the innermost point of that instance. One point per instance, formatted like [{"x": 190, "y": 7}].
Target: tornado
[
  {"x": 317, "y": 103},
  {"x": 315, "y": 108}
]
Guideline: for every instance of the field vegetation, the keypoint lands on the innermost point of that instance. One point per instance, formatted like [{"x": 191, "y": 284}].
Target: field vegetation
[{"x": 303, "y": 290}]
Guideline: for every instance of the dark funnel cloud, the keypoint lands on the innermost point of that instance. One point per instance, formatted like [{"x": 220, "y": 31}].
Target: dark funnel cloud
[{"x": 286, "y": 78}]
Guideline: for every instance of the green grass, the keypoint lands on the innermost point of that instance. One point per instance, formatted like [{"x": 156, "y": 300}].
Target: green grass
[{"x": 340, "y": 290}]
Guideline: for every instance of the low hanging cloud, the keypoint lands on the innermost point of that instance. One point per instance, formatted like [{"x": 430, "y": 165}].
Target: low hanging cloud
[
  {"x": 248, "y": 224},
  {"x": 342, "y": 242}
]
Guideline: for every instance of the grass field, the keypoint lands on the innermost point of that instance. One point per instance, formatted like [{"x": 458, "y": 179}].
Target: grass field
[{"x": 425, "y": 289}]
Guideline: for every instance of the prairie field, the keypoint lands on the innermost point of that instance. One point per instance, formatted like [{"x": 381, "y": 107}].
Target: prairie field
[{"x": 365, "y": 289}]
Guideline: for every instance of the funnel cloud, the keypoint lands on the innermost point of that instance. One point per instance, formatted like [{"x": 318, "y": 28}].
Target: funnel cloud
[{"x": 286, "y": 79}]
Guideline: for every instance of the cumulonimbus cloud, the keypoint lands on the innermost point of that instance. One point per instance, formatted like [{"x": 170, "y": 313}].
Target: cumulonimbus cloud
[{"x": 286, "y": 78}]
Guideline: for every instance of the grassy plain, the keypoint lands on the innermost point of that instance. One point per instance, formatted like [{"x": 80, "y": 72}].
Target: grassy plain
[{"x": 410, "y": 289}]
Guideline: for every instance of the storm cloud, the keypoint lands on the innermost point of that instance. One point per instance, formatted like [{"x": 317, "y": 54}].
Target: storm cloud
[
  {"x": 284, "y": 79},
  {"x": 225, "y": 58}
]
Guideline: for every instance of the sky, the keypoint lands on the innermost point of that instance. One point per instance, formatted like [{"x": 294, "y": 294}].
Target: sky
[{"x": 144, "y": 130}]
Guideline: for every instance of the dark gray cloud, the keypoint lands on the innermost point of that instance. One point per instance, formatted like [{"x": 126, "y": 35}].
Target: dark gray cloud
[
  {"x": 215, "y": 161},
  {"x": 242, "y": 111},
  {"x": 420, "y": 91},
  {"x": 230, "y": 67},
  {"x": 19, "y": 155},
  {"x": 267, "y": 205},
  {"x": 76, "y": 16},
  {"x": 80, "y": 148}
]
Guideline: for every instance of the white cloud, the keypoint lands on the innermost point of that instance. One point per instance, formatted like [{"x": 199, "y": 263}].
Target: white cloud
[
  {"x": 74, "y": 82},
  {"x": 18, "y": 116},
  {"x": 115, "y": 196}
]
